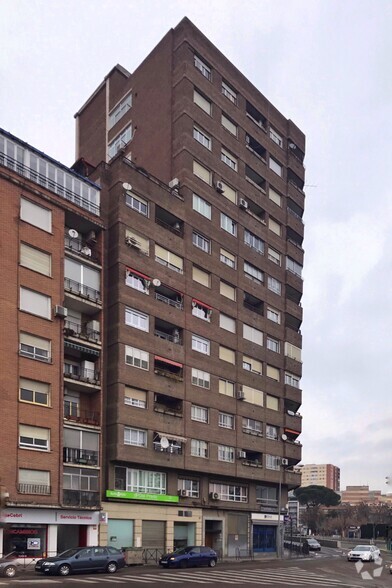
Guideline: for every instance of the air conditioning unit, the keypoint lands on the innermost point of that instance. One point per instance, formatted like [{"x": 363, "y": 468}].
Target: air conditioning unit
[
  {"x": 183, "y": 493},
  {"x": 86, "y": 251},
  {"x": 244, "y": 204},
  {"x": 240, "y": 394},
  {"x": 132, "y": 242},
  {"x": 60, "y": 311},
  {"x": 214, "y": 495},
  {"x": 174, "y": 183},
  {"x": 93, "y": 326},
  {"x": 242, "y": 454},
  {"x": 88, "y": 365},
  {"x": 219, "y": 187},
  {"x": 284, "y": 461}
]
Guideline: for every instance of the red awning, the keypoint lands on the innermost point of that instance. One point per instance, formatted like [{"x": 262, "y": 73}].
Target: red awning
[
  {"x": 292, "y": 431},
  {"x": 169, "y": 361},
  {"x": 202, "y": 303},
  {"x": 132, "y": 271}
]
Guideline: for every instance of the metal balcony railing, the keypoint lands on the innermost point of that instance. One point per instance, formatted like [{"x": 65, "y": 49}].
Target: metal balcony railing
[
  {"x": 81, "y": 374},
  {"x": 82, "y": 290},
  {"x": 33, "y": 488},
  {"x": 176, "y": 449},
  {"x": 73, "y": 329},
  {"x": 86, "y": 417},
  {"x": 80, "y": 498},
  {"x": 80, "y": 456},
  {"x": 172, "y": 338},
  {"x": 83, "y": 250},
  {"x": 169, "y": 301}
]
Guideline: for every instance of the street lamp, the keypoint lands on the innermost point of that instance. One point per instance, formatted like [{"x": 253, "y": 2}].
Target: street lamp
[{"x": 282, "y": 461}]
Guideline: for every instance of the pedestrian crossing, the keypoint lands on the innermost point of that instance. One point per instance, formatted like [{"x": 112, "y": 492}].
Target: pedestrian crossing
[{"x": 292, "y": 576}]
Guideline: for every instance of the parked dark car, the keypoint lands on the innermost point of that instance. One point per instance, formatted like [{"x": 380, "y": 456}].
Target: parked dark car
[
  {"x": 313, "y": 544},
  {"x": 191, "y": 556},
  {"x": 8, "y": 566},
  {"x": 82, "y": 559}
]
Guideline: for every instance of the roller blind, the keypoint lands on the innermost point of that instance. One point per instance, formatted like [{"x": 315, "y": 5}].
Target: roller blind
[{"x": 34, "y": 259}]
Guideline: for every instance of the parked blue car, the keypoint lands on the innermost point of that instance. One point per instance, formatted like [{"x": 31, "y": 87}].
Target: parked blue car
[
  {"x": 82, "y": 559},
  {"x": 190, "y": 556}
]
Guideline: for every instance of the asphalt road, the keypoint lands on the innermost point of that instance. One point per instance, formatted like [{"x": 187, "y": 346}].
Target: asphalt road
[{"x": 328, "y": 569}]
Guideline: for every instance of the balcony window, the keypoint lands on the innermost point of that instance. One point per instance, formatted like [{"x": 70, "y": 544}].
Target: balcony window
[
  {"x": 81, "y": 487},
  {"x": 293, "y": 267},
  {"x": 252, "y": 365},
  {"x": 81, "y": 447},
  {"x": 35, "y": 303},
  {"x": 169, "y": 259},
  {"x": 34, "y": 347},
  {"x": 252, "y": 427},
  {"x": 200, "y": 344},
  {"x": 255, "y": 115},
  {"x": 229, "y": 125},
  {"x": 120, "y": 110},
  {"x": 34, "y": 437},
  {"x": 228, "y": 224},
  {"x": 201, "y": 310},
  {"x": 202, "y": 67},
  {"x": 201, "y": 242},
  {"x": 200, "y": 378},
  {"x": 169, "y": 221},
  {"x": 202, "y": 137},
  {"x": 137, "y": 280},
  {"x": 256, "y": 147},
  {"x": 199, "y": 413},
  {"x": 135, "y": 397},
  {"x": 33, "y": 481},
  {"x": 226, "y": 453},
  {"x": 292, "y": 380},
  {"x": 253, "y": 272},
  {"x": 273, "y": 345},
  {"x": 228, "y": 258},
  {"x": 226, "y": 421},
  {"x": 229, "y": 492},
  {"x": 81, "y": 279},
  {"x": 168, "y": 405},
  {"x": 120, "y": 141},
  {"x": 253, "y": 303},
  {"x": 252, "y": 334},
  {"x": 226, "y": 387},
  {"x": 136, "y": 357},
  {"x": 136, "y": 319},
  {"x": 229, "y": 92},
  {"x": 292, "y": 351},
  {"x": 229, "y": 159},
  {"x": 136, "y": 203},
  {"x": 170, "y": 444},
  {"x": 254, "y": 242},
  {"x": 169, "y": 296},
  {"x": 276, "y": 167},
  {"x": 275, "y": 137},
  {"x": 135, "y": 437},
  {"x": 254, "y": 178},
  {"x": 201, "y": 206},
  {"x": 274, "y": 285},
  {"x": 34, "y": 392},
  {"x": 201, "y": 101},
  {"x": 168, "y": 368},
  {"x": 199, "y": 448},
  {"x": 167, "y": 331}
]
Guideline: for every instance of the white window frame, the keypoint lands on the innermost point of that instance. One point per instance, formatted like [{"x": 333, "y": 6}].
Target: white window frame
[
  {"x": 274, "y": 256},
  {"x": 294, "y": 267},
  {"x": 137, "y": 282},
  {"x": 130, "y": 400},
  {"x": 36, "y": 388},
  {"x": 38, "y": 299},
  {"x": 252, "y": 426},
  {"x": 136, "y": 203},
  {"x": 271, "y": 432},
  {"x": 228, "y": 224},
  {"x": 191, "y": 487},
  {"x": 120, "y": 141},
  {"x": 274, "y": 285},
  {"x": 230, "y": 492},
  {"x": 275, "y": 137},
  {"x": 202, "y": 137},
  {"x": 229, "y": 159},
  {"x": 201, "y": 206},
  {"x": 292, "y": 380},
  {"x": 136, "y": 319},
  {"x": 199, "y": 413},
  {"x": 39, "y": 442},
  {"x": 227, "y": 260},
  {"x": 202, "y": 102},
  {"x": 137, "y": 358},
  {"x": 227, "y": 386},
  {"x": 254, "y": 242},
  {"x": 120, "y": 110},
  {"x": 272, "y": 462},
  {"x": 135, "y": 437},
  {"x": 202, "y": 67},
  {"x": 274, "y": 315},
  {"x": 276, "y": 167},
  {"x": 229, "y": 92},
  {"x": 31, "y": 347},
  {"x": 226, "y": 420},
  {"x": 199, "y": 448},
  {"x": 254, "y": 272},
  {"x": 201, "y": 378},
  {"x": 36, "y": 215},
  {"x": 226, "y": 453},
  {"x": 273, "y": 344},
  {"x": 200, "y": 344}
]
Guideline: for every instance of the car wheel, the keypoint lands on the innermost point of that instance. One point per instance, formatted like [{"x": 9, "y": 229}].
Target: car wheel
[
  {"x": 9, "y": 571},
  {"x": 64, "y": 570},
  {"x": 183, "y": 564},
  {"x": 212, "y": 563},
  {"x": 111, "y": 568}
]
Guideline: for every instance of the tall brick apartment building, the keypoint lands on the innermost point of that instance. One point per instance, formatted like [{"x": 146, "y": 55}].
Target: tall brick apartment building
[
  {"x": 50, "y": 345},
  {"x": 202, "y": 191}
]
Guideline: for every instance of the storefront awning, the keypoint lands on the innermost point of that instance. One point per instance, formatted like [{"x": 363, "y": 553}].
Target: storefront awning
[{"x": 81, "y": 348}]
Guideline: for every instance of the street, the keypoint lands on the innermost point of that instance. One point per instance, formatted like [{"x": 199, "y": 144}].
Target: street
[{"x": 328, "y": 569}]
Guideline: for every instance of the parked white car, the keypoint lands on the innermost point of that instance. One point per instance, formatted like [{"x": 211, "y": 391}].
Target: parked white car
[{"x": 363, "y": 553}]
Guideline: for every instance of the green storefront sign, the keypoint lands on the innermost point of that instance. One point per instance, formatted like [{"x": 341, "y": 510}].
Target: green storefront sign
[{"x": 140, "y": 496}]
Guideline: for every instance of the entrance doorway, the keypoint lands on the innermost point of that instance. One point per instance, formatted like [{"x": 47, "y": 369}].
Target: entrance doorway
[
  {"x": 213, "y": 534},
  {"x": 264, "y": 538}
]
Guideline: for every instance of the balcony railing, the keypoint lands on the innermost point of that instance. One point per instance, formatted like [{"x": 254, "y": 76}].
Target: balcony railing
[
  {"x": 80, "y": 456},
  {"x": 172, "y": 338},
  {"x": 169, "y": 301},
  {"x": 80, "y": 498},
  {"x": 83, "y": 375},
  {"x": 82, "y": 290},
  {"x": 72, "y": 329},
  {"x": 77, "y": 246},
  {"x": 168, "y": 374},
  {"x": 176, "y": 230},
  {"x": 33, "y": 488},
  {"x": 270, "y": 503},
  {"x": 177, "y": 449},
  {"x": 86, "y": 417}
]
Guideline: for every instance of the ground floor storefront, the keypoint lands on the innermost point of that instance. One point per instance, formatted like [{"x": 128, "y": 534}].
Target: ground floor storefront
[{"x": 39, "y": 532}]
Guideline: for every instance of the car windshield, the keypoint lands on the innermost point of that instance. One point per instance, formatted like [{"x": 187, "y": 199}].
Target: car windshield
[
  {"x": 182, "y": 550},
  {"x": 68, "y": 553},
  {"x": 362, "y": 548},
  {"x": 312, "y": 541}
]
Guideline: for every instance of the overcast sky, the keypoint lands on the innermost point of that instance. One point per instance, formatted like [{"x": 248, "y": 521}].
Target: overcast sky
[{"x": 326, "y": 64}]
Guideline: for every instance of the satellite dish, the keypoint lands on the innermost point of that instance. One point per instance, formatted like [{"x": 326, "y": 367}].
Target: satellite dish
[
  {"x": 164, "y": 442},
  {"x": 291, "y": 412},
  {"x": 156, "y": 282},
  {"x": 73, "y": 233},
  {"x": 127, "y": 186},
  {"x": 284, "y": 437}
]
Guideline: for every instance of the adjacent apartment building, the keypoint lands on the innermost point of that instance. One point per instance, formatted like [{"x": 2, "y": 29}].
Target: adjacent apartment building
[
  {"x": 202, "y": 192},
  {"x": 324, "y": 474},
  {"x": 50, "y": 323}
]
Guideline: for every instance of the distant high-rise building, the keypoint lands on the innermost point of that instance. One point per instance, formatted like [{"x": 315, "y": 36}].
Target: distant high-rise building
[
  {"x": 202, "y": 186},
  {"x": 358, "y": 494},
  {"x": 320, "y": 475}
]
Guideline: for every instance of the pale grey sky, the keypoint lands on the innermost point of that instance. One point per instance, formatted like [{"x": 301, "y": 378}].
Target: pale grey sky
[{"x": 326, "y": 65}]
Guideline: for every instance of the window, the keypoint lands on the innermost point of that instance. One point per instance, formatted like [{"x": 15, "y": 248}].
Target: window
[
  {"x": 136, "y": 357},
  {"x": 82, "y": 278},
  {"x": 199, "y": 448},
  {"x": 227, "y": 290},
  {"x": 35, "y": 303},
  {"x": 253, "y": 272},
  {"x": 201, "y": 242},
  {"x": 226, "y": 453},
  {"x": 227, "y": 224},
  {"x": 171, "y": 260},
  {"x": 36, "y": 260},
  {"x": 274, "y": 285},
  {"x": 253, "y": 396},
  {"x": 201, "y": 310},
  {"x": 136, "y": 437},
  {"x": 254, "y": 242},
  {"x": 273, "y": 315},
  {"x": 200, "y": 344},
  {"x": 229, "y": 92},
  {"x": 34, "y": 437},
  {"x": 226, "y": 387},
  {"x": 228, "y": 192},
  {"x": 136, "y": 319},
  {"x": 229, "y": 159},
  {"x": 202, "y": 172},
  {"x": 229, "y": 125},
  {"x": 135, "y": 397},
  {"x": 33, "y": 481},
  {"x": 294, "y": 267},
  {"x": 202, "y": 101},
  {"x": 33, "y": 391},
  {"x": 272, "y": 372},
  {"x": 228, "y": 258},
  {"x": 36, "y": 215},
  {"x": 144, "y": 481},
  {"x": 230, "y": 493},
  {"x": 227, "y": 323},
  {"x": 202, "y": 277},
  {"x": 226, "y": 354},
  {"x": 276, "y": 167},
  {"x": 275, "y": 197},
  {"x": 200, "y": 378},
  {"x": 274, "y": 256},
  {"x": 252, "y": 334},
  {"x": 292, "y": 380},
  {"x": 292, "y": 351},
  {"x": 273, "y": 345},
  {"x": 202, "y": 137},
  {"x": 272, "y": 402},
  {"x": 271, "y": 432},
  {"x": 137, "y": 203},
  {"x": 137, "y": 281},
  {"x": 122, "y": 108},
  {"x": 267, "y": 495},
  {"x": 120, "y": 141},
  {"x": 199, "y": 413},
  {"x": 252, "y": 365},
  {"x": 272, "y": 462},
  {"x": 191, "y": 487},
  {"x": 226, "y": 421},
  {"x": 34, "y": 347},
  {"x": 275, "y": 227},
  {"x": 201, "y": 206},
  {"x": 276, "y": 137},
  {"x": 252, "y": 426},
  {"x": 202, "y": 67}
]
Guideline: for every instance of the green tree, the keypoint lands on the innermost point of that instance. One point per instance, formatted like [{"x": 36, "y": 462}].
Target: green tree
[{"x": 314, "y": 497}]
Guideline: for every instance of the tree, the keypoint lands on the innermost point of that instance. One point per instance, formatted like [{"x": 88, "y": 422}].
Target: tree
[{"x": 313, "y": 497}]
